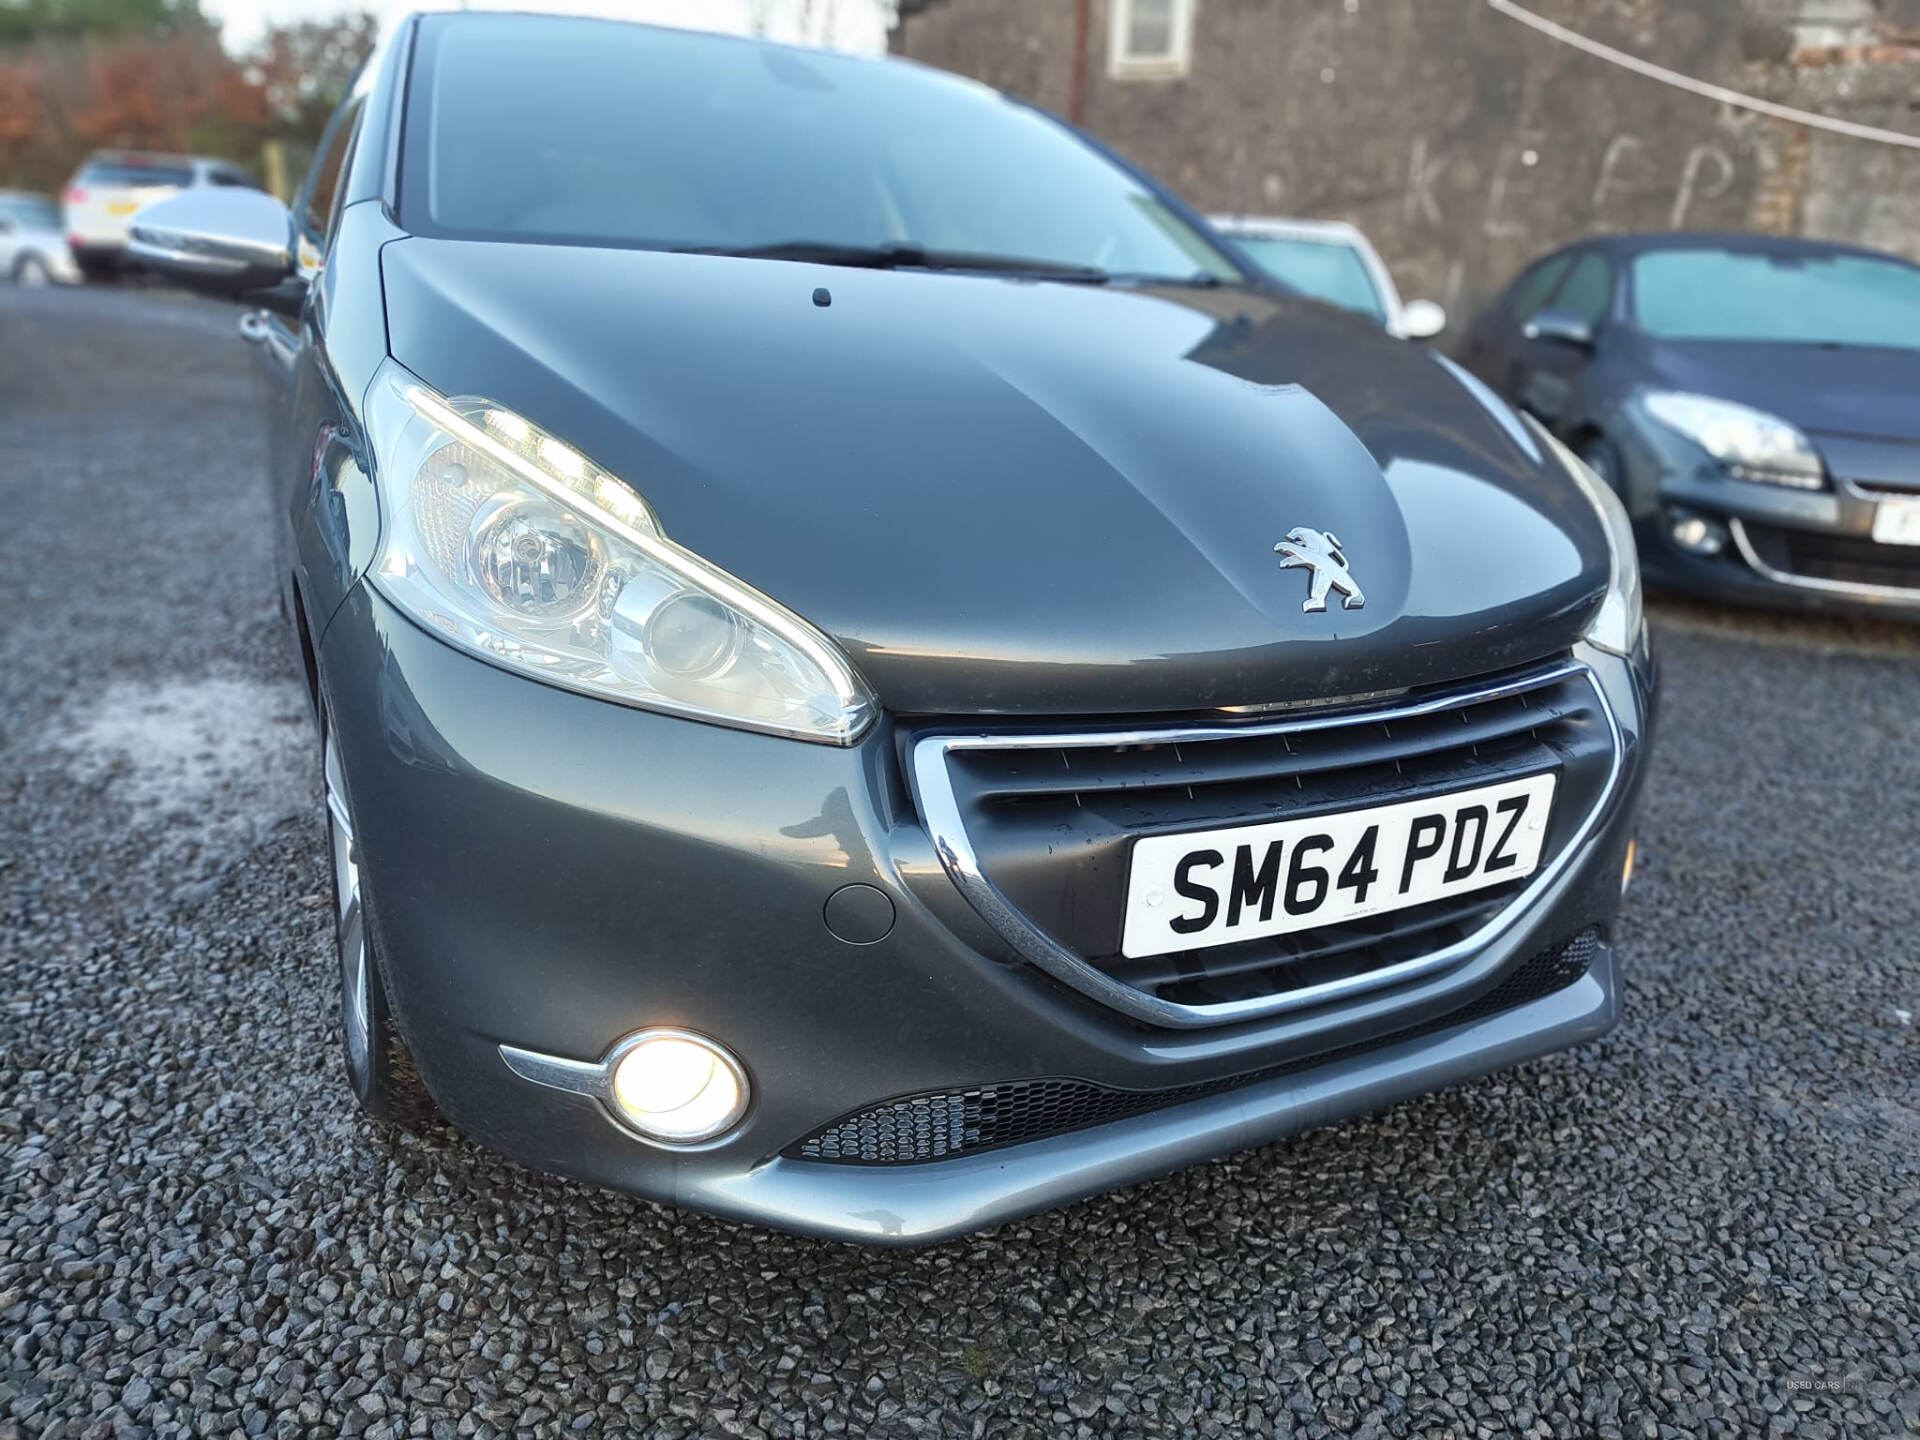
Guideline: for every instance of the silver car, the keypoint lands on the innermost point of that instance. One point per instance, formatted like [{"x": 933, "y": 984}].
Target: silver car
[
  {"x": 103, "y": 196},
  {"x": 1332, "y": 261},
  {"x": 32, "y": 249}
]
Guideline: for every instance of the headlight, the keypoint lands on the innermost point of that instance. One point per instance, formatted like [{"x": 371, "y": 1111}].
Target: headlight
[
  {"x": 512, "y": 545},
  {"x": 1750, "y": 444},
  {"x": 1618, "y": 623}
]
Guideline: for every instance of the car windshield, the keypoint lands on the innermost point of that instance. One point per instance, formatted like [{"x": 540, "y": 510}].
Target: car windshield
[
  {"x": 589, "y": 132},
  {"x": 109, "y": 173},
  {"x": 1796, "y": 299},
  {"x": 1324, "y": 269}
]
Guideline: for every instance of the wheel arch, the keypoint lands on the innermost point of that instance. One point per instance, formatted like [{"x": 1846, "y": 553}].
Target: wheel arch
[{"x": 303, "y": 635}]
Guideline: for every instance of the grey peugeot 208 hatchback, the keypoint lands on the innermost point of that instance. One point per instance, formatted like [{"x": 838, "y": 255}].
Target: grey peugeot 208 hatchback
[{"x": 872, "y": 677}]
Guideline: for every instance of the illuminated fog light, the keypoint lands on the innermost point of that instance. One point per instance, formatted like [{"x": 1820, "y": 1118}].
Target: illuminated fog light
[
  {"x": 1696, "y": 534},
  {"x": 678, "y": 1088}
]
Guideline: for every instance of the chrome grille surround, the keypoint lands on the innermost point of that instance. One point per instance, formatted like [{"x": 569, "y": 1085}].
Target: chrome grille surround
[
  {"x": 940, "y": 810},
  {"x": 1752, "y": 538},
  {"x": 1876, "y": 491}
]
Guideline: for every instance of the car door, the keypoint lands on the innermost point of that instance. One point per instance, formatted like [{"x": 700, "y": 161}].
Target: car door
[
  {"x": 11, "y": 229},
  {"x": 1493, "y": 345},
  {"x": 1551, "y": 357},
  {"x": 299, "y": 393}
]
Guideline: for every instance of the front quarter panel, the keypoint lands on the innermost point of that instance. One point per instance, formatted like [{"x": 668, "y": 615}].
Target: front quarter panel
[{"x": 333, "y": 517}]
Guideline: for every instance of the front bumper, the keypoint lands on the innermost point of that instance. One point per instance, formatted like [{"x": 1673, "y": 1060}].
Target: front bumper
[
  {"x": 1781, "y": 547},
  {"x": 106, "y": 248},
  {"x": 550, "y": 872}
]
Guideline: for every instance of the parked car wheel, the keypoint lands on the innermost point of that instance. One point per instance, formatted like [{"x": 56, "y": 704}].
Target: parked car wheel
[
  {"x": 31, "y": 270},
  {"x": 1601, "y": 458},
  {"x": 380, "y": 1069}
]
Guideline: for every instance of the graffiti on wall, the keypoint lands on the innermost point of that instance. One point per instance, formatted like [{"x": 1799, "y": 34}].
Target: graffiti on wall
[{"x": 1705, "y": 172}]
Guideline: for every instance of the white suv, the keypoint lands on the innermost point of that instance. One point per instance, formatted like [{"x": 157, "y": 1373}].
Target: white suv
[{"x": 112, "y": 184}]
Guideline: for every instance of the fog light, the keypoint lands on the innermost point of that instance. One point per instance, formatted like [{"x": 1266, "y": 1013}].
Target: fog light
[
  {"x": 677, "y": 1087},
  {"x": 1696, "y": 534}
]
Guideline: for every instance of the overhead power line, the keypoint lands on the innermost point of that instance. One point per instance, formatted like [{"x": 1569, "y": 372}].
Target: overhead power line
[{"x": 1701, "y": 87}]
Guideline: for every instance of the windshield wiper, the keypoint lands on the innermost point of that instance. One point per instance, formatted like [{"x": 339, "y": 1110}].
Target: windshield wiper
[
  {"x": 904, "y": 255},
  {"x": 898, "y": 255},
  {"x": 1197, "y": 280}
]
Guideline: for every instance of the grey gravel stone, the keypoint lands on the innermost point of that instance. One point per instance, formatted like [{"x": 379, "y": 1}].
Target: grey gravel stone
[{"x": 198, "y": 1236}]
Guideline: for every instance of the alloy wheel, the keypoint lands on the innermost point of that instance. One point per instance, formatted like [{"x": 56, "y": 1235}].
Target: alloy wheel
[{"x": 355, "y": 961}]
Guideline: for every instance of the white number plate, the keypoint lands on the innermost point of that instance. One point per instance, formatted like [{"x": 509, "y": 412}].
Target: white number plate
[
  {"x": 1214, "y": 887},
  {"x": 1897, "y": 522}
]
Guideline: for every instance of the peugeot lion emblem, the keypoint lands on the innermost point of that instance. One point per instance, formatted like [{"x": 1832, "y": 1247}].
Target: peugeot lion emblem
[{"x": 1320, "y": 552}]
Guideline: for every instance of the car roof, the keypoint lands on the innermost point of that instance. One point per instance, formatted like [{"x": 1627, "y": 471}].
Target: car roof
[
  {"x": 1284, "y": 227},
  {"x": 139, "y": 157},
  {"x": 1629, "y": 246},
  {"x": 399, "y": 13},
  {"x": 157, "y": 158}
]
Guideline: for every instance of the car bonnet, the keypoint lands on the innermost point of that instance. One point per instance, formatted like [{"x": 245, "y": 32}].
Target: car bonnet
[{"x": 1011, "y": 496}]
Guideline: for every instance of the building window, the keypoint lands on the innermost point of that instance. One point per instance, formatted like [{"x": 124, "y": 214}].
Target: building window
[{"x": 1152, "y": 39}]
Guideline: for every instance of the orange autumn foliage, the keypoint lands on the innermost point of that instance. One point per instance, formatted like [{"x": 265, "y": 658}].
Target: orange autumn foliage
[{"x": 62, "y": 97}]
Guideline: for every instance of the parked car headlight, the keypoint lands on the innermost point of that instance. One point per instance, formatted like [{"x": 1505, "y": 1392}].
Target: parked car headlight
[
  {"x": 1749, "y": 444},
  {"x": 1618, "y": 624},
  {"x": 513, "y": 545}
]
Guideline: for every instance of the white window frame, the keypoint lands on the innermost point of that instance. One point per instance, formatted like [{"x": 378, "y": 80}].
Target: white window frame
[{"x": 1123, "y": 65}]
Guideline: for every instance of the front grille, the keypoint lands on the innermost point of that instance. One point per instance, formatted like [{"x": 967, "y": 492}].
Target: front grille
[
  {"x": 1051, "y": 826},
  {"x": 942, "y": 1123},
  {"x": 1885, "y": 489},
  {"x": 1835, "y": 559}
]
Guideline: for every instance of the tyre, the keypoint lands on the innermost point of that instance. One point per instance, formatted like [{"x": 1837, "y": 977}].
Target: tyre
[
  {"x": 380, "y": 1069},
  {"x": 1601, "y": 458},
  {"x": 31, "y": 270}
]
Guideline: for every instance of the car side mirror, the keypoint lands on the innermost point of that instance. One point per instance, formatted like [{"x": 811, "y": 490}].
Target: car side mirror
[
  {"x": 1560, "y": 327},
  {"x": 1422, "y": 319},
  {"x": 219, "y": 240}
]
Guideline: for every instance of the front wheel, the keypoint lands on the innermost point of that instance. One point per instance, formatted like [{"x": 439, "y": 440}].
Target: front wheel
[
  {"x": 32, "y": 272},
  {"x": 380, "y": 1069},
  {"x": 1601, "y": 458}
]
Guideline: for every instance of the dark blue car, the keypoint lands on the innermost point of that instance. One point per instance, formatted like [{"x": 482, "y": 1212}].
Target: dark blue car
[{"x": 1754, "y": 399}]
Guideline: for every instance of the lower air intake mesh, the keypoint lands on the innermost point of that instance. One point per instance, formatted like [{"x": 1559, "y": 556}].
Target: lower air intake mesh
[
  {"x": 1840, "y": 559},
  {"x": 944, "y": 1123}
]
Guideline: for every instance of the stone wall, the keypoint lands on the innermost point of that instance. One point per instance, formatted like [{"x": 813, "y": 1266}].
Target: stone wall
[{"x": 1465, "y": 142}]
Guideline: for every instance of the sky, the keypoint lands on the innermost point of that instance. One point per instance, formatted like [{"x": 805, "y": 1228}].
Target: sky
[
  {"x": 859, "y": 25},
  {"x": 242, "y": 21}
]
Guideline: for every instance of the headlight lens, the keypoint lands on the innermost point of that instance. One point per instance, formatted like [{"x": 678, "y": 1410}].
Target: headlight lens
[
  {"x": 1618, "y": 624},
  {"x": 511, "y": 544},
  {"x": 1750, "y": 444}
]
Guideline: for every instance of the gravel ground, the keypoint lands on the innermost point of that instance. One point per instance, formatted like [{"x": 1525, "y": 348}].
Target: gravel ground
[{"x": 1657, "y": 1235}]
